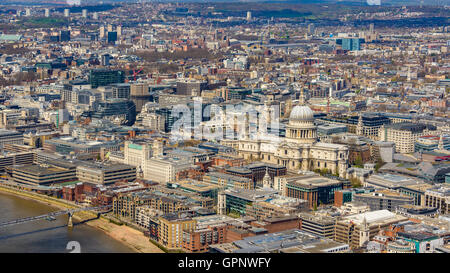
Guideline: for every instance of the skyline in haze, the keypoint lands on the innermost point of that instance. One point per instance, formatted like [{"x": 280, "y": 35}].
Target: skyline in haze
[{"x": 345, "y": 2}]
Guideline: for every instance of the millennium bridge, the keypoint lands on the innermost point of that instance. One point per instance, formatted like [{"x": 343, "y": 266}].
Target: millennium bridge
[{"x": 69, "y": 212}]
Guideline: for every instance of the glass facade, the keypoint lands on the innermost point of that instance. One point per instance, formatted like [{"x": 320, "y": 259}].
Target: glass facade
[
  {"x": 105, "y": 77},
  {"x": 351, "y": 44}
]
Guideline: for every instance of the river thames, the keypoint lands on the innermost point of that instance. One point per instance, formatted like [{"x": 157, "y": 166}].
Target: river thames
[{"x": 46, "y": 236}]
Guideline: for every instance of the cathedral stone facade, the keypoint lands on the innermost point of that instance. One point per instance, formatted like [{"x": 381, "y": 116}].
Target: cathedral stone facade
[{"x": 299, "y": 150}]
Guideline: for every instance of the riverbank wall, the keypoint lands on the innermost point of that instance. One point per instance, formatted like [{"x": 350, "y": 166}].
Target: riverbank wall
[{"x": 128, "y": 236}]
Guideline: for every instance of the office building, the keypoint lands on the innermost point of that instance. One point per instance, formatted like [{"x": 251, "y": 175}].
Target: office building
[
  {"x": 316, "y": 189},
  {"x": 112, "y": 37},
  {"x": 357, "y": 229},
  {"x": 237, "y": 93},
  {"x": 400, "y": 246},
  {"x": 42, "y": 175},
  {"x": 311, "y": 29},
  {"x": 200, "y": 188},
  {"x": 121, "y": 90},
  {"x": 153, "y": 121},
  {"x": 368, "y": 125},
  {"x": 278, "y": 206},
  {"x": 423, "y": 242},
  {"x": 319, "y": 225},
  {"x": 140, "y": 95},
  {"x": 249, "y": 15},
  {"x": 64, "y": 36},
  {"x": 104, "y": 174},
  {"x": 119, "y": 111},
  {"x": 105, "y": 59},
  {"x": 288, "y": 241},
  {"x": 351, "y": 44},
  {"x": 227, "y": 181},
  {"x": 413, "y": 211},
  {"x": 102, "y": 32},
  {"x": 330, "y": 129},
  {"x": 103, "y": 77},
  {"x": 405, "y": 135},
  {"x": 384, "y": 200},
  {"x": 71, "y": 145},
  {"x": 383, "y": 151},
  {"x": 165, "y": 169},
  {"x": 430, "y": 143},
  {"x": 236, "y": 200},
  {"x": 438, "y": 197},
  {"x": 190, "y": 87},
  {"x": 10, "y": 137},
  {"x": 138, "y": 154},
  {"x": 15, "y": 158},
  {"x": 346, "y": 196}
]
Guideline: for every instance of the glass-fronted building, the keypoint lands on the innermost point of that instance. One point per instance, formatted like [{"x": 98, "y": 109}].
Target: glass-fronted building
[{"x": 103, "y": 77}]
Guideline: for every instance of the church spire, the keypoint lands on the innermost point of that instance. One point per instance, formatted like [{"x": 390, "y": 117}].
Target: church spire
[
  {"x": 267, "y": 181},
  {"x": 364, "y": 223},
  {"x": 441, "y": 142}
]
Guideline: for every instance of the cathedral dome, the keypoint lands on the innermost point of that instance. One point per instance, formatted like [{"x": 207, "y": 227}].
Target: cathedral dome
[{"x": 301, "y": 113}]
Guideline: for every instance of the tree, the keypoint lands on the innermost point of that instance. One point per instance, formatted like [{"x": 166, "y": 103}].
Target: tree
[
  {"x": 358, "y": 161},
  {"x": 355, "y": 182},
  {"x": 336, "y": 173},
  {"x": 324, "y": 171},
  {"x": 378, "y": 165}
]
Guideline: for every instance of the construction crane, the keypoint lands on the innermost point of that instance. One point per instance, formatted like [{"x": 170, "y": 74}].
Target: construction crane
[{"x": 136, "y": 72}]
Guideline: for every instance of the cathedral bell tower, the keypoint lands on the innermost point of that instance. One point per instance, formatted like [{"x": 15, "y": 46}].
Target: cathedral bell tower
[{"x": 360, "y": 127}]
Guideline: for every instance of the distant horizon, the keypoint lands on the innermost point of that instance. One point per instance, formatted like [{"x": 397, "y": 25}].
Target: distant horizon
[{"x": 310, "y": 2}]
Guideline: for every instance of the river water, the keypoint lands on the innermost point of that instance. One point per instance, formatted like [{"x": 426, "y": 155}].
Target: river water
[{"x": 44, "y": 236}]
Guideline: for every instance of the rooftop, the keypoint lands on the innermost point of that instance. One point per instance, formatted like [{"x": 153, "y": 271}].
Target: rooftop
[
  {"x": 37, "y": 170},
  {"x": 252, "y": 195},
  {"x": 374, "y": 217},
  {"x": 312, "y": 181}
]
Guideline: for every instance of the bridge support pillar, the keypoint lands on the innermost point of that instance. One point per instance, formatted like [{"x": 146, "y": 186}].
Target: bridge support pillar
[{"x": 70, "y": 223}]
